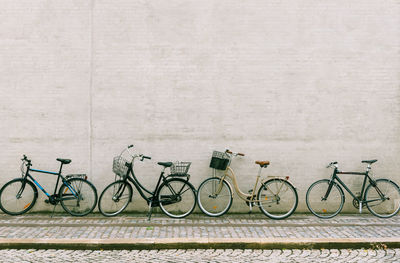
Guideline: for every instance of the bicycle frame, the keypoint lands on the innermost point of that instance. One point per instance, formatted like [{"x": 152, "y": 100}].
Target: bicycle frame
[
  {"x": 360, "y": 199},
  {"x": 151, "y": 200},
  {"x": 245, "y": 197},
  {"x": 27, "y": 175}
]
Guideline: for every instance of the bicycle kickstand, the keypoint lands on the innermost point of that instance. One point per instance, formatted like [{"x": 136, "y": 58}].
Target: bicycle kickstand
[
  {"x": 150, "y": 210},
  {"x": 54, "y": 209}
]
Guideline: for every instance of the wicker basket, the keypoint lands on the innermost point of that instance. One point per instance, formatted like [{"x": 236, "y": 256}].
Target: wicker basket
[{"x": 120, "y": 166}]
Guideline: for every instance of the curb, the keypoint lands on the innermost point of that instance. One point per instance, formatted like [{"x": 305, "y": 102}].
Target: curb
[{"x": 201, "y": 243}]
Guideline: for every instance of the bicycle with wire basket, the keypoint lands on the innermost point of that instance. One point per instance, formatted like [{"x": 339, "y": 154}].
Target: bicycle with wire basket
[
  {"x": 173, "y": 193},
  {"x": 325, "y": 198},
  {"x": 76, "y": 194},
  {"x": 276, "y": 197}
]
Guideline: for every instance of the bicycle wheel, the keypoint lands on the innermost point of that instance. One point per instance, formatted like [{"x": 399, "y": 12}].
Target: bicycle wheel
[
  {"x": 324, "y": 207},
  {"x": 214, "y": 197},
  {"x": 383, "y": 199},
  {"x": 277, "y": 198},
  {"x": 177, "y": 198},
  {"x": 18, "y": 197},
  {"x": 79, "y": 198},
  {"x": 115, "y": 198}
]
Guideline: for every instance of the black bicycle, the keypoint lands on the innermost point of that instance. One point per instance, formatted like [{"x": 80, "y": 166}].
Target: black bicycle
[
  {"x": 173, "y": 193},
  {"x": 76, "y": 195},
  {"x": 325, "y": 198}
]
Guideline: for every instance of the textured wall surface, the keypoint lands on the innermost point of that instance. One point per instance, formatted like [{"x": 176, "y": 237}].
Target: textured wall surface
[{"x": 299, "y": 83}]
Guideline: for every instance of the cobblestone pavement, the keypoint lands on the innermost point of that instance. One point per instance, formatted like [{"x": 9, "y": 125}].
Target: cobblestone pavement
[
  {"x": 196, "y": 226},
  {"x": 201, "y": 255}
]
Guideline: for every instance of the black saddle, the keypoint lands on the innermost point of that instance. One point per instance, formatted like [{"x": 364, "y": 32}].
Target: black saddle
[
  {"x": 64, "y": 161},
  {"x": 165, "y": 164},
  {"x": 369, "y": 161}
]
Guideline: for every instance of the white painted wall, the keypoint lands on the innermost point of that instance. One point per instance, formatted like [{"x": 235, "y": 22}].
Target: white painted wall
[{"x": 299, "y": 83}]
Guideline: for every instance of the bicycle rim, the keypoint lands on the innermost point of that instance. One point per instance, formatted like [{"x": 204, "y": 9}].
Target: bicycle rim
[
  {"x": 177, "y": 198},
  {"x": 321, "y": 207},
  {"x": 214, "y": 198},
  {"x": 115, "y": 198},
  {"x": 79, "y": 199},
  {"x": 14, "y": 200},
  {"x": 384, "y": 206},
  {"x": 277, "y": 199}
]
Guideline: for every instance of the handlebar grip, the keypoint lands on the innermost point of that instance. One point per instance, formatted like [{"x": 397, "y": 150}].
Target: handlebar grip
[
  {"x": 241, "y": 154},
  {"x": 146, "y": 157},
  {"x": 130, "y": 146},
  {"x": 228, "y": 151}
]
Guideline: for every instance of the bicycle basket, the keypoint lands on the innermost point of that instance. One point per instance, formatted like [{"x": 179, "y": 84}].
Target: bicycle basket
[
  {"x": 219, "y": 160},
  {"x": 180, "y": 168},
  {"x": 120, "y": 166}
]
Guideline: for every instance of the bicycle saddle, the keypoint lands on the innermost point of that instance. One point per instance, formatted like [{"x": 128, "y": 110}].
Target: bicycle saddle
[
  {"x": 64, "y": 161},
  {"x": 165, "y": 164},
  {"x": 262, "y": 163},
  {"x": 369, "y": 161}
]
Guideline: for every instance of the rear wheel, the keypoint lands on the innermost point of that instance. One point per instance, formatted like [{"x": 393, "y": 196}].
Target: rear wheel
[
  {"x": 324, "y": 207},
  {"x": 277, "y": 198},
  {"x": 177, "y": 198},
  {"x": 79, "y": 198},
  {"x": 18, "y": 196},
  {"x": 214, "y": 197},
  {"x": 115, "y": 198},
  {"x": 383, "y": 199}
]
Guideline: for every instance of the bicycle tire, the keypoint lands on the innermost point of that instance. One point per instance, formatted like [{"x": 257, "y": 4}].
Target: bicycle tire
[
  {"x": 274, "y": 201},
  {"x": 323, "y": 208},
  {"x": 177, "y": 198},
  {"x": 110, "y": 199},
  {"x": 389, "y": 208},
  {"x": 82, "y": 202},
  {"x": 21, "y": 205},
  {"x": 209, "y": 201}
]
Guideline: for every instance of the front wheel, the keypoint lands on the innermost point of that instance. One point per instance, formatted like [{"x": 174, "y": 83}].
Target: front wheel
[
  {"x": 277, "y": 198},
  {"x": 177, "y": 198},
  {"x": 18, "y": 196},
  {"x": 115, "y": 198},
  {"x": 78, "y": 197},
  {"x": 321, "y": 205},
  {"x": 214, "y": 197},
  {"x": 383, "y": 198}
]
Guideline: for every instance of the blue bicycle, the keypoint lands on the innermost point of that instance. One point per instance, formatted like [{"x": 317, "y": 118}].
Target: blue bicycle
[{"x": 76, "y": 194}]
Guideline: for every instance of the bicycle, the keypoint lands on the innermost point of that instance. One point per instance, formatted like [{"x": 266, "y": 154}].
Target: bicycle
[
  {"x": 76, "y": 195},
  {"x": 277, "y": 197},
  {"x": 325, "y": 198},
  {"x": 173, "y": 193}
]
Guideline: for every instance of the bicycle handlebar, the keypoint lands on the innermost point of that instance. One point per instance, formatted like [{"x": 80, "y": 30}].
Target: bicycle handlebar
[
  {"x": 230, "y": 152},
  {"x": 145, "y": 157},
  {"x": 330, "y": 165},
  {"x": 137, "y": 155},
  {"x": 26, "y": 160}
]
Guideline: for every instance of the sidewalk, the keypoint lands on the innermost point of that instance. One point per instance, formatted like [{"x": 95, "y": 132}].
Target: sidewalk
[{"x": 240, "y": 231}]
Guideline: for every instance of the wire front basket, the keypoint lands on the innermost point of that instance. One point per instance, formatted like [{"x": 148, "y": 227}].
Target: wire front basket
[
  {"x": 219, "y": 160},
  {"x": 120, "y": 166},
  {"x": 180, "y": 168}
]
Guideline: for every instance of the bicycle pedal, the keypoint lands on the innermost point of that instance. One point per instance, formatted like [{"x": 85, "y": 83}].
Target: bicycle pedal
[{"x": 47, "y": 201}]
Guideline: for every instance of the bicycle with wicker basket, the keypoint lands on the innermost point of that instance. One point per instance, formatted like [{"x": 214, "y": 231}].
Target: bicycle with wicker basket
[
  {"x": 173, "y": 193},
  {"x": 276, "y": 197}
]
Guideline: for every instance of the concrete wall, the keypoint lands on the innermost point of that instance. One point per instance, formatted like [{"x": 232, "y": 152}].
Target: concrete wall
[{"x": 299, "y": 83}]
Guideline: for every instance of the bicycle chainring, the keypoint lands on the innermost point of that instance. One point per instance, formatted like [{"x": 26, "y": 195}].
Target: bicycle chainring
[
  {"x": 356, "y": 203},
  {"x": 249, "y": 198}
]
